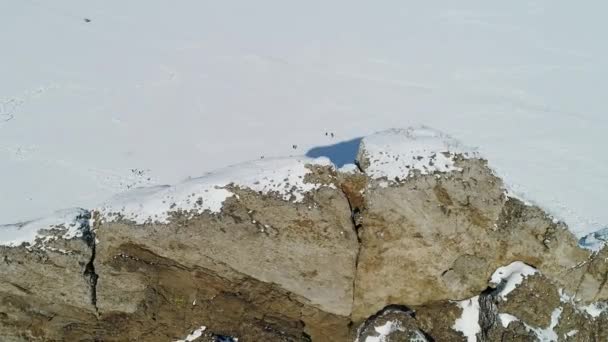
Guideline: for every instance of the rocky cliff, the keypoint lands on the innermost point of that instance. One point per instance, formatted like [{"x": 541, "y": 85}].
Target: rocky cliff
[{"x": 419, "y": 242}]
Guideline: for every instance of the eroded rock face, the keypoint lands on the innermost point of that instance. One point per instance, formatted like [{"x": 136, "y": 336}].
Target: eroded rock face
[
  {"x": 48, "y": 283},
  {"x": 422, "y": 244},
  {"x": 440, "y": 237},
  {"x": 538, "y": 310},
  {"x": 304, "y": 254}
]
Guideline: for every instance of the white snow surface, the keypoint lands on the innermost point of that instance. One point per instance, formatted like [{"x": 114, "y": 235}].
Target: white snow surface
[
  {"x": 152, "y": 92},
  {"x": 468, "y": 323},
  {"x": 383, "y": 331},
  {"x": 506, "y": 319},
  {"x": 396, "y": 153},
  {"x": 69, "y": 224},
  {"x": 283, "y": 177},
  {"x": 511, "y": 276},
  {"x": 194, "y": 335},
  {"x": 595, "y": 309},
  {"x": 565, "y": 297}
]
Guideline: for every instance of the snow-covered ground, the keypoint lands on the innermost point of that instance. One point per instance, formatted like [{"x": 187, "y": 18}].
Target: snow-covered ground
[{"x": 152, "y": 92}]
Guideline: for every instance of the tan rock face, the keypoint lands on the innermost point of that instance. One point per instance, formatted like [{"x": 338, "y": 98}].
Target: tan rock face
[
  {"x": 46, "y": 288},
  {"x": 306, "y": 250},
  {"x": 441, "y": 236},
  {"x": 176, "y": 298},
  {"x": 358, "y": 257}
]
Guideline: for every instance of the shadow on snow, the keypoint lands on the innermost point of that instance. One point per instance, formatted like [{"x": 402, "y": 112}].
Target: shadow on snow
[{"x": 340, "y": 154}]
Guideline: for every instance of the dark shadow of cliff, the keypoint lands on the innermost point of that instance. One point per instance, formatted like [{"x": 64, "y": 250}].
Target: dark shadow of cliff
[{"x": 340, "y": 154}]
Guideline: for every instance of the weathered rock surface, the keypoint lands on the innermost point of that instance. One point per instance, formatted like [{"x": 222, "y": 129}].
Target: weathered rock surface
[
  {"x": 422, "y": 244},
  {"x": 392, "y": 324},
  {"x": 441, "y": 236},
  {"x": 300, "y": 256}
]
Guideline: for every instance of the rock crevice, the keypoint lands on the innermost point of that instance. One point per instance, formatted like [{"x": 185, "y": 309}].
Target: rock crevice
[{"x": 89, "y": 270}]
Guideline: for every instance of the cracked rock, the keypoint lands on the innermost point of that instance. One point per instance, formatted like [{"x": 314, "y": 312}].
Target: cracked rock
[{"x": 373, "y": 254}]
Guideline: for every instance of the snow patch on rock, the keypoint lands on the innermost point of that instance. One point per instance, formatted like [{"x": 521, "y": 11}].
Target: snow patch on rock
[
  {"x": 506, "y": 319},
  {"x": 284, "y": 177},
  {"x": 468, "y": 323},
  {"x": 510, "y": 276},
  {"x": 384, "y": 330},
  {"x": 64, "y": 224},
  {"x": 418, "y": 338},
  {"x": 571, "y": 333},
  {"x": 194, "y": 335},
  {"x": 595, "y": 309},
  {"x": 349, "y": 168},
  {"x": 396, "y": 153},
  {"x": 564, "y": 297},
  {"x": 594, "y": 241},
  {"x": 547, "y": 334}
]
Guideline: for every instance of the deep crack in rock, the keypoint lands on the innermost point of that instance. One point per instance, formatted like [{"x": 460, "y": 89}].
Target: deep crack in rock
[
  {"x": 89, "y": 270},
  {"x": 356, "y": 225},
  {"x": 488, "y": 311}
]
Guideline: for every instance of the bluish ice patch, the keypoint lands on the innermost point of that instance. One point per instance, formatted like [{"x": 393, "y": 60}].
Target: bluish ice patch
[{"x": 594, "y": 241}]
